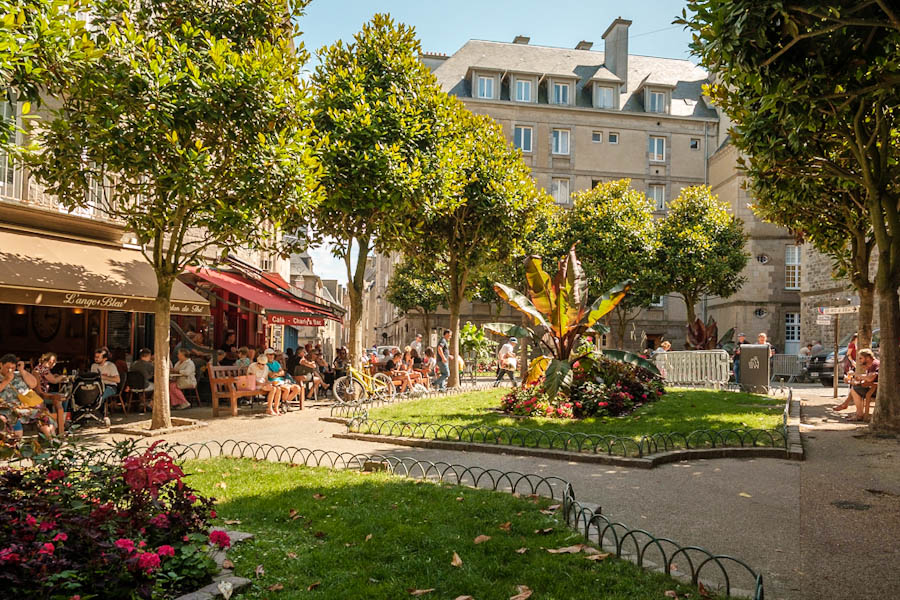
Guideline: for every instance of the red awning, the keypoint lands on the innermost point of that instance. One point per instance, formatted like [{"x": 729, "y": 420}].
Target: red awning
[{"x": 279, "y": 309}]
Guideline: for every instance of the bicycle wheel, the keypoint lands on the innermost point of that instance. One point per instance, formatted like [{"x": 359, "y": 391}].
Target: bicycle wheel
[
  {"x": 347, "y": 389},
  {"x": 383, "y": 386}
]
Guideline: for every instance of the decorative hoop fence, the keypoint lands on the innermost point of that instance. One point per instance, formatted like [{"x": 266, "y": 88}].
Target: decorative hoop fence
[
  {"x": 728, "y": 574},
  {"x": 349, "y": 410}
]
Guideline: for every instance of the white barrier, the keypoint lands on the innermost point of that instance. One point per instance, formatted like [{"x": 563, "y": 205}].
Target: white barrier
[{"x": 695, "y": 367}]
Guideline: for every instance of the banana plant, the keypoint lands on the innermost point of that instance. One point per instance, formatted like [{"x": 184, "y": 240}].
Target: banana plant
[{"x": 559, "y": 314}]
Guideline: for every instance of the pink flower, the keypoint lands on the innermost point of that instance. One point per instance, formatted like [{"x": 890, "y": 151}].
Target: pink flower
[
  {"x": 148, "y": 561},
  {"x": 161, "y": 520},
  {"x": 125, "y": 544},
  {"x": 55, "y": 474},
  {"x": 47, "y": 548},
  {"x": 47, "y": 526},
  {"x": 192, "y": 498},
  {"x": 165, "y": 551},
  {"x": 7, "y": 555},
  {"x": 60, "y": 537},
  {"x": 220, "y": 539},
  {"x": 185, "y": 539},
  {"x": 142, "y": 544},
  {"x": 212, "y": 514},
  {"x": 30, "y": 521}
]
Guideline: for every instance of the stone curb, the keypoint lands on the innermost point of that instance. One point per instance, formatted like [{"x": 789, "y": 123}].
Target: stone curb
[
  {"x": 225, "y": 576},
  {"x": 794, "y": 441}
]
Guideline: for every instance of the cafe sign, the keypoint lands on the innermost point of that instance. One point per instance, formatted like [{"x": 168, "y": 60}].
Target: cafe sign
[
  {"x": 297, "y": 320},
  {"x": 91, "y": 301}
]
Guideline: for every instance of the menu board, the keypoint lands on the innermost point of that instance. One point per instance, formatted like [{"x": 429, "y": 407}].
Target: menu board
[{"x": 118, "y": 330}]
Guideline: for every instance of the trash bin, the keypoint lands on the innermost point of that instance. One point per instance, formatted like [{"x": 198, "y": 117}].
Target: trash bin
[{"x": 755, "y": 372}]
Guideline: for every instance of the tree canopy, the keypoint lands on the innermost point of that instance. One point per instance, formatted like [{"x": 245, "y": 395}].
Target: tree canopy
[{"x": 418, "y": 284}]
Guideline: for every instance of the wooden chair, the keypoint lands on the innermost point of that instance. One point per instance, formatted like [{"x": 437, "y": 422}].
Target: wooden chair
[{"x": 223, "y": 384}]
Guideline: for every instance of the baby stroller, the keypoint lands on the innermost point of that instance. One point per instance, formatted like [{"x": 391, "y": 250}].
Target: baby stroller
[{"x": 86, "y": 399}]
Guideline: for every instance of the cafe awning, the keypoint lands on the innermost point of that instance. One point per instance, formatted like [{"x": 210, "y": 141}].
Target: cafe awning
[
  {"x": 279, "y": 308},
  {"x": 47, "y": 271}
]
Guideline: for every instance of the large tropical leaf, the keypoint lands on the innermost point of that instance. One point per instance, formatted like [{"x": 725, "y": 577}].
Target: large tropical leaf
[
  {"x": 521, "y": 303},
  {"x": 576, "y": 288},
  {"x": 725, "y": 342},
  {"x": 558, "y": 377},
  {"x": 632, "y": 359},
  {"x": 540, "y": 288},
  {"x": 597, "y": 329},
  {"x": 537, "y": 368},
  {"x": 605, "y": 303},
  {"x": 508, "y": 330}
]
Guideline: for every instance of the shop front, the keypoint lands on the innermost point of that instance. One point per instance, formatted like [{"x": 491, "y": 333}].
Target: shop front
[{"x": 70, "y": 297}]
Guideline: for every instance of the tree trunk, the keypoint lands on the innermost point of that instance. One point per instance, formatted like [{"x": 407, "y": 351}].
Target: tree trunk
[
  {"x": 866, "y": 314},
  {"x": 162, "y": 415},
  {"x": 860, "y": 259},
  {"x": 456, "y": 293},
  {"x": 886, "y": 416},
  {"x": 691, "y": 318},
  {"x": 356, "y": 282}
]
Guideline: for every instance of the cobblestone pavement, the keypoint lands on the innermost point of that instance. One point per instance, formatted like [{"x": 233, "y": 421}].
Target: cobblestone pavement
[{"x": 827, "y": 527}]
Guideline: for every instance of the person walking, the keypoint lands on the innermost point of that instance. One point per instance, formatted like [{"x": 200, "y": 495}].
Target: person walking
[
  {"x": 736, "y": 357},
  {"x": 417, "y": 344},
  {"x": 506, "y": 362},
  {"x": 443, "y": 361}
]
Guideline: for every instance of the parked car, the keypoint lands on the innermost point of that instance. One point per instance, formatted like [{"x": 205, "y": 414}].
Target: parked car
[{"x": 821, "y": 366}]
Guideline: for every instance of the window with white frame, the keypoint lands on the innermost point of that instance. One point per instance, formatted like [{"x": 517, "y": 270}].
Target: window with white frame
[
  {"x": 559, "y": 189},
  {"x": 603, "y": 97},
  {"x": 656, "y": 102},
  {"x": 613, "y": 137},
  {"x": 657, "y": 194},
  {"x": 523, "y": 90},
  {"x": 560, "y": 141},
  {"x": 560, "y": 93},
  {"x": 792, "y": 268},
  {"x": 522, "y": 138},
  {"x": 791, "y": 333},
  {"x": 597, "y": 137},
  {"x": 657, "y": 148},
  {"x": 486, "y": 87},
  {"x": 656, "y": 302}
]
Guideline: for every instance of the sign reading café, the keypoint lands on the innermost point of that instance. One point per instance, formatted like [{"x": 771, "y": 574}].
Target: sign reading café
[{"x": 295, "y": 320}]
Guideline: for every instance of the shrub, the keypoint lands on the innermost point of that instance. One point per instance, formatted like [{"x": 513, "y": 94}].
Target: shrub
[
  {"x": 106, "y": 523},
  {"x": 604, "y": 388}
]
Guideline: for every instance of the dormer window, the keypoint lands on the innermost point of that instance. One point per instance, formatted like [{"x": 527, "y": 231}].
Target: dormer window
[
  {"x": 604, "y": 96},
  {"x": 523, "y": 90},
  {"x": 486, "y": 87},
  {"x": 657, "y": 101},
  {"x": 560, "y": 93}
]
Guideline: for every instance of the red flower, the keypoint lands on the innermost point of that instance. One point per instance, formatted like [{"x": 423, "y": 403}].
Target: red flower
[
  {"x": 165, "y": 550},
  {"x": 60, "y": 537},
  {"x": 142, "y": 544},
  {"x": 7, "y": 555},
  {"x": 148, "y": 561},
  {"x": 30, "y": 521},
  {"x": 220, "y": 538},
  {"x": 125, "y": 544},
  {"x": 47, "y": 548},
  {"x": 55, "y": 474},
  {"x": 212, "y": 514},
  {"x": 161, "y": 520},
  {"x": 47, "y": 526},
  {"x": 603, "y": 404}
]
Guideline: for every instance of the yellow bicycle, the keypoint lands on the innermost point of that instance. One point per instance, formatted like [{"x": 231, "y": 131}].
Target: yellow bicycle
[{"x": 359, "y": 386}]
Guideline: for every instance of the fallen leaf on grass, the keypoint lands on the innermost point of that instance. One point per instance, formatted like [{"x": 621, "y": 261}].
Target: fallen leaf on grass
[
  {"x": 459, "y": 498},
  {"x": 233, "y": 522},
  {"x": 221, "y": 484},
  {"x": 554, "y": 506},
  {"x": 294, "y": 515},
  {"x": 464, "y": 598},
  {"x": 348, "y": 545},
  {"x": 671, "y": 594},
  {"x": 521, "y": 550},
  {"x": 227, "y": 564},
  {"x": 567, "y": 550},
  {"x": 457, "y": 561},
  {"x": 544, "y": 531},
  {"x": 481, "y": 539},
  {"x": 318, "y": 496},
  {"x": 226, "y": 588},
  {"x": 420, "y": 592},
  {"x": 260, "y": 571},
  {"x": 745, "y": 495},
  {"x": 590, "y": 550},
  {"x": 368, "y": 537},
  {"x": 313, "y": 586},
  {"x": 598, "y": 556},
  {"x": 275, "y": 587},
  {"x": 505, "y": 526},
  {"x": 524, "y": 593},
  {"x": 292, "y": 555},
  {"x": 547, "y": 511},
  {"x": 319, "y": 534},
  {"x": 704, "y": 593}
]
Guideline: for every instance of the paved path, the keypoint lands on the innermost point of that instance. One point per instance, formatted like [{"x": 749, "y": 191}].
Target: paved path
[{"x": 776, "y": 514}]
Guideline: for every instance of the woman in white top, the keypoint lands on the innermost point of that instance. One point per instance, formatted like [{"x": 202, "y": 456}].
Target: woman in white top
[
  {"x": 260, "y": 372},
  {"x": 184, "y": 372}
]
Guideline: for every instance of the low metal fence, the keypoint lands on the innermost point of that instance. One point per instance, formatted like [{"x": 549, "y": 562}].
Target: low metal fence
[
  {"x": 788, "y": 366},
  {"x": 648, "y": 551},
  {"x": 695, "y": 367},
  {"x": 348, "y": 410},
  {"x": 611, "y": 445}
]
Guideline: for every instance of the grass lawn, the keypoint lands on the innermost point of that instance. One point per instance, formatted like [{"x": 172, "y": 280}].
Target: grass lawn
[
  {"x": 347, "y": 535},
  {"x": 679, "y": 410}
]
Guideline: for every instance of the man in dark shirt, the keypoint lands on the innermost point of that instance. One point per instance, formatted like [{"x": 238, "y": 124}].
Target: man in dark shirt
[
  {"x": 443, "y": 361},
  {"x": 229, "y": 347},
  {"x": 144, "y": 365}
]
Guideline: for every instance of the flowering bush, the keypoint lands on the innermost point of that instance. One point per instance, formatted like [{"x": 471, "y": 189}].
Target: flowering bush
[
  {"x": 602, "y": 388},
  {"x": 102, "y": 523}
]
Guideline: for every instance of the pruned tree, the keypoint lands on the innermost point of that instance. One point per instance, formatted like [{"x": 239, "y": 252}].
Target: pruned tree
[
  {"x": 194, "y": 125},
  {"x": 378, "y": 109},
  {"x": 700, "y": 248},
  {"x": 819, "y": 81},
  {"x": 418, "y": 285}
]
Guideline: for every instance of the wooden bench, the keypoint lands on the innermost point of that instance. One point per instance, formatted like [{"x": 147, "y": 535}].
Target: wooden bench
[{"x": 223, "y": 384}]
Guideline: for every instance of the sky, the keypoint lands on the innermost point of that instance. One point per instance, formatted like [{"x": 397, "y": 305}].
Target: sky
[{"x": 444, "y": 26}]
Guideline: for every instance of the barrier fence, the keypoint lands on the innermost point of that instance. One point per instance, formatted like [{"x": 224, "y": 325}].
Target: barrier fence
[{"x": 695, "y": 367}]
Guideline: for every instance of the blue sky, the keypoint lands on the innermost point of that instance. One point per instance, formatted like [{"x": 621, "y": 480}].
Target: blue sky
[{"x": 445, "y": 26}]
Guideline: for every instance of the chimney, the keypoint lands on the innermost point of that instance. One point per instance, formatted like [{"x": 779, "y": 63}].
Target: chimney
[
  {"x": 522, "y": 39},
  {"x": 584, "y": 45},
  {"x": 615, "y": 49}
]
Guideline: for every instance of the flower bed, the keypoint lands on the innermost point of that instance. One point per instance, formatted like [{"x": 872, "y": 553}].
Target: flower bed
[
  {"x": 103, "y": 523},
  {"x": 605, "y": 388}
]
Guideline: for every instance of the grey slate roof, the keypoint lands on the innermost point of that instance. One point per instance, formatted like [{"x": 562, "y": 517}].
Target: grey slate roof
[{"x": 687, "y": 78}]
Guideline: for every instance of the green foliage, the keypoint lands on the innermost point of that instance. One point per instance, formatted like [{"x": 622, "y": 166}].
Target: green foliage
[
  {"x": 473, "y": 343},
  {"x": 701, "y": 248},
  {"x": 417, "y": 285}
]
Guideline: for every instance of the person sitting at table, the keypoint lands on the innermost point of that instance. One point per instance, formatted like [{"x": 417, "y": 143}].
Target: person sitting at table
[
  {"x": 43, "y": 372},
  {"x": 243, "y": 360},
  {"x": 339, "y": 366},
  {"x": 419, "y": 366},
  {"x": 324, "y": 369},
  {"x": 278, "y": 378},
  {"x": 398, "y": 374},
  {"x": 109, "y": 374},
  {"x": 229, "y": 349},
  {"x": 184, "y": 374},
  {"x": 144, "y": 366},
  {"x": 15, "y": 381},
  {"x": 260, "y": 372},
  {"x": 307, "y": 371}
]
